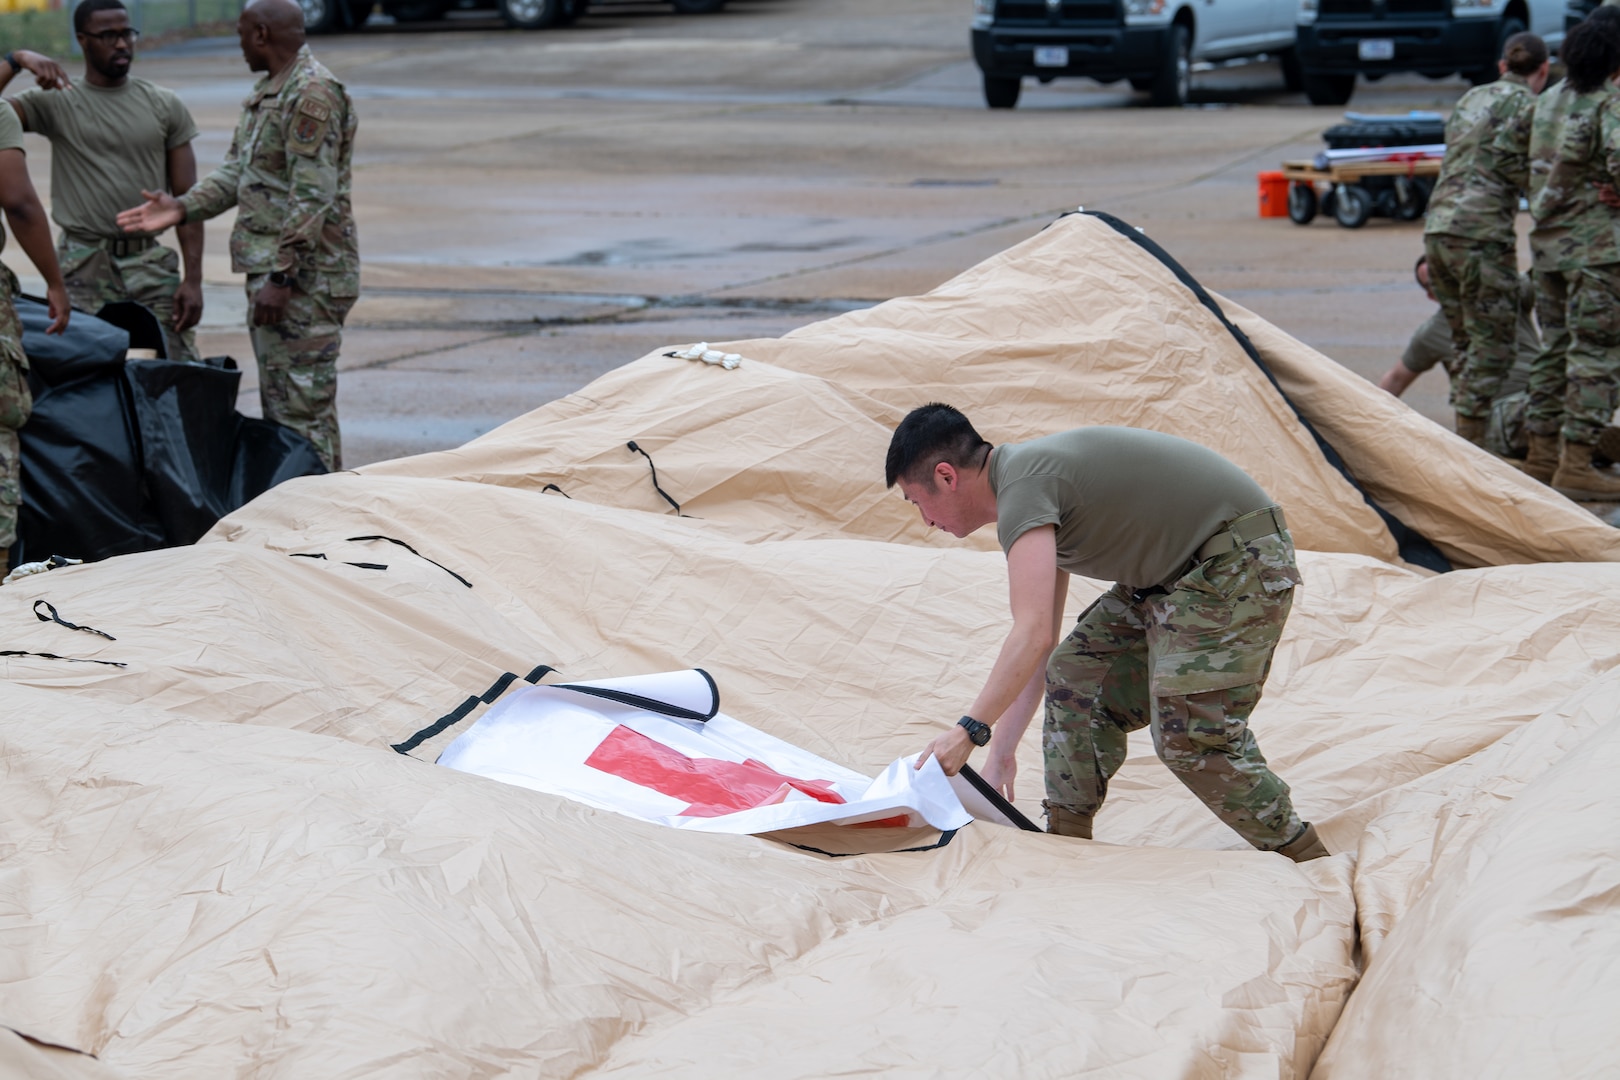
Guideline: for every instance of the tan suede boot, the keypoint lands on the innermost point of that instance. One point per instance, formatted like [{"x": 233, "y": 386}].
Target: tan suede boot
[
  {"x": 1305, "y": 846},
  {"x": 1472, "y": 428},
  {"x": 1061, "y": 822},
  {"x": 1543, "y": 459},
  {"x": 1608, "y": 444},
  {"x": 1577, "y": 479}
]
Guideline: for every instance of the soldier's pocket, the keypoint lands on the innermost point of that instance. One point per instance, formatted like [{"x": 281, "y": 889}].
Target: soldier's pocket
[
  {"x": 16, "y": 403},
  {"x": 1219, "y": 625}
]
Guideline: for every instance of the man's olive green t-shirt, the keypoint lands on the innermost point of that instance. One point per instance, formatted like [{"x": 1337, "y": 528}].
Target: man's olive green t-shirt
[
  {"x": 1129, "y": 505},
  {"x": 11, "y": 138},
  {"x": 107, "y": 146}
]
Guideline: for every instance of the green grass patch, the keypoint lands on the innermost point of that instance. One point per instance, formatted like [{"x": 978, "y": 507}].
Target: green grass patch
[{"x": 49, "y": 32}]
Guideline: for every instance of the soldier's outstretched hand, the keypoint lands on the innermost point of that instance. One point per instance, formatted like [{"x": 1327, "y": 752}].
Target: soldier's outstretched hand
[
  {"x": 58, "y": 307},
  {"x": 160, "y": 211},
  {"x": 48, "y": 74}
]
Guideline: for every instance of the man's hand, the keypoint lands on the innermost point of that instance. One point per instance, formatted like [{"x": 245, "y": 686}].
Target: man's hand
[
  {"x": 47, "y": 72},
  {"x": 188, "y": 305},
  {"x": 160, "y": 211},
  {"x": 1608, "y": 197},
  {"x": 999, "y": 771},
  {"x": 951, "y": 750},
  {"x": 270, "y": 303},
  {"x": 58, "y": 307}
]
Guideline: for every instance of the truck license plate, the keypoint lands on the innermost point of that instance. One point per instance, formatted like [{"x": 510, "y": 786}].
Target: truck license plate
[
  {"x": 1375, "y": 49},
  {"x": 1052, "y": 56}
]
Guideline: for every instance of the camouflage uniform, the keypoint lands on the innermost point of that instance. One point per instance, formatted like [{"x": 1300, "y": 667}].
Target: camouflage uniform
[
  {"x": 1574, "y": 146},
  {"x": 15, "y": 404},
  {"x": 1469, "y": 237},
  {"x": 95, "y": 275},
  {"x": 288, "y": 173},
  {"x": 1188, "y": 662}
]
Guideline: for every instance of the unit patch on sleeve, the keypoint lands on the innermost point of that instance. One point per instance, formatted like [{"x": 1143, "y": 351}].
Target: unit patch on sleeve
[{"x": 309, "y": 127}]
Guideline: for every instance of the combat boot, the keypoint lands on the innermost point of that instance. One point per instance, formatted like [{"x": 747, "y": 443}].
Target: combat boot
[
  {"x": 1577, "y": 479},
  {"x": 1305, "y": 846},
  {"x": 1063, "y": 822},
  {"x": 1543, "y": 459},
  {"x": 1472, "y": 428},
  {"x": 1608, "y": 445}
]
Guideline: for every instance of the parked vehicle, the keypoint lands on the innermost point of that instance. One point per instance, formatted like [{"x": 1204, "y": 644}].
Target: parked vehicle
[
  {"x": 1340, "y": 39},
  {"x": 331, "y": 16},
  {"x": 1152, "y": 43}
]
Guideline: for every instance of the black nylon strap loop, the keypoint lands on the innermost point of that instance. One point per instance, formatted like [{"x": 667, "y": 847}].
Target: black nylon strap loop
[
  {"x": 413, "y": 551},
  {"x": 632, "y": 446},
  {"x": 57, "y": 618},
  {"x": 460, "y": 712},
  {"x": 53, "y": 656}
]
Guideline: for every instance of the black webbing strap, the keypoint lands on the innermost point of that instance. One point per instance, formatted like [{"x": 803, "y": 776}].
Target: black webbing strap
[
  {"x": 55, "y": 617},
  {"x": 944, "y": 838},
  {"x": 361, "y": 565},
  {"x": 53, "y": 656},
  {"x": 460, "y": 712},
  {"x": 558, "y": 490},
  {"x": 652, "y": 705},
  {"x": 993, "y": 797},
  {"x": 413, "y": 551},
  {"x": 1414, "y": 547},
  {"x": 636, "y": 449}
]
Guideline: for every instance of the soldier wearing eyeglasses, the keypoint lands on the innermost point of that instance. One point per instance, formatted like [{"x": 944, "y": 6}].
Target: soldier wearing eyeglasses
[{"x": 114, "y": 136}]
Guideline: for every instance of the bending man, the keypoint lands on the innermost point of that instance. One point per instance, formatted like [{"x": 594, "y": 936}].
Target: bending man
[{"x": 1181, "y": 645}]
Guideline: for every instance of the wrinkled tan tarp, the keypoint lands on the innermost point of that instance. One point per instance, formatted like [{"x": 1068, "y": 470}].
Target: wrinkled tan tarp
[{"x": 211, "y": 863}]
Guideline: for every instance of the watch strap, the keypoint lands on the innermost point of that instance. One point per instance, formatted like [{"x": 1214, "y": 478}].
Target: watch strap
[{"x": 977, "y": 731}]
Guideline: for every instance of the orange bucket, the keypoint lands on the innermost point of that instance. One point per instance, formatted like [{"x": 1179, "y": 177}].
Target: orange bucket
[{"x": 1273, "y": 194}]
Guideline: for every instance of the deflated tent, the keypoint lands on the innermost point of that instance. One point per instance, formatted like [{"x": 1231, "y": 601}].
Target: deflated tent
[{"x": 217, "y": 862}]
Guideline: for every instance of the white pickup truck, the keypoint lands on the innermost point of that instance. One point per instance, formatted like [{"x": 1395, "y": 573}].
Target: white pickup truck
[{"x": 1319, "y": 43}]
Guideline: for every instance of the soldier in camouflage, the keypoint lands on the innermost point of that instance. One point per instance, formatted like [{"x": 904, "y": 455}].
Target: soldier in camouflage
[
  {"x": 27, "y": 219},
  {"x": 288, "y": 174},
  {"x": 1469, "y": 238},
  {"x": 1574, "y": 165},
  {"x": 1180, "y": 646}
]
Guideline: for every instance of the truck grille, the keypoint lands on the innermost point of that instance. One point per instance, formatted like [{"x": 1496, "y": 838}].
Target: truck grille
[
  {"x": 1372, "y": 9},
  {"x": 1069, "y": 11}
]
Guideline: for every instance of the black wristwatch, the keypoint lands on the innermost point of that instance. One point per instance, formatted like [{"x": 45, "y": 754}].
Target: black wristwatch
[
  {"x": 281, "y": 279},
  {"x": 977, "y": 732}
]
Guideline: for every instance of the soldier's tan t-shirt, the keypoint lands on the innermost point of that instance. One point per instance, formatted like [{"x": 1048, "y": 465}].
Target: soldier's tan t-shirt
[
  {"x": 11, "y": 138},
  {"x": 1130, "y": 506},
  {"x": 107, "y": 145}
]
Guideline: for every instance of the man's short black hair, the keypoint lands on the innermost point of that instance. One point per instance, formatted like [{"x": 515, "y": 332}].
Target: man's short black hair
[
  {"x": 82, "y": 13},
  {"x": 927, "y": 436}
]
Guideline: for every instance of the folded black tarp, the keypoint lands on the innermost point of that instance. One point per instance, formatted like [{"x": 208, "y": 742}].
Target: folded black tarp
[{"x": 130, "y": 455}]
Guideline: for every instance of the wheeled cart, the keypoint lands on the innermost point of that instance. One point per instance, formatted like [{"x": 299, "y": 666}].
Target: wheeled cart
[{"x": 1358, "y": 190}]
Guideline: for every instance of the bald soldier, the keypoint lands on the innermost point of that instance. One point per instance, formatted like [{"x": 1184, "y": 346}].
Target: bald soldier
[
  {"x": 1182, "y": 643},
  {"x": 114, "y": 136},
  {"x": 287, "y": 172}
]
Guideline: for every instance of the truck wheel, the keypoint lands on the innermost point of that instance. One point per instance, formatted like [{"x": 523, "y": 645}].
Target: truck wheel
[
  {"x": 1328, "y": 89},
  {"x": 1293, "y": 75},
  {"x": 570, "y": 11},
  {"x": 323, "y": 16},
  {"x": 697, "y": 7},
  {"x": 1352, "y": 207},
  {"x": 530, "y": 14},
  {"x": 1301, "y": 203},
  {"x": 1001, "y": 93},
  {"x": 1173, "y": 84},
  {"x": 1488, "y": 73}
]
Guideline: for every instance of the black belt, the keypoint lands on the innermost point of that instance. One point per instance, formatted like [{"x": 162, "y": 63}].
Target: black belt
[
  {"x": 1234, "y": 534},
  {"x": 119, "y": 247}
]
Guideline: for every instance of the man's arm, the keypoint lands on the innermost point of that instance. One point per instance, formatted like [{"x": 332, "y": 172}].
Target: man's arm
[
  {"x": 1397, "y": 379},
  {"x": 188, "y": 302},
  {"x": 1002, "y": 764},
  {"x": 1031, "y": 586},
  {"x": 33, "y": 231},
  {"x": 47, "y": 73}
]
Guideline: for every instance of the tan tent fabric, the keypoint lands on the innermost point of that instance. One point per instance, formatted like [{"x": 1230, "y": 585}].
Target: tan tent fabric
[
  {"x": 214, "y": 863},
  {"x": 23, "y": 1059}
]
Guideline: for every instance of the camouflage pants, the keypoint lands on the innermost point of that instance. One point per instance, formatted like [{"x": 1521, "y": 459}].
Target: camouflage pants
[
  {"x": 298, "y": 366},
  {"x": 1477, "y": 284},
  {"x": 15, "y": 404},
  {"x": 1189, "y": 664},
  {"x": 94, "y": 277},
  {"x": 1575, "y": 381}
]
